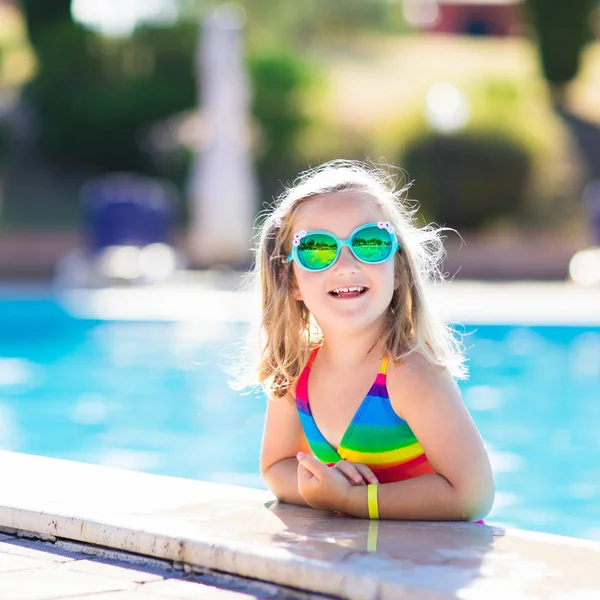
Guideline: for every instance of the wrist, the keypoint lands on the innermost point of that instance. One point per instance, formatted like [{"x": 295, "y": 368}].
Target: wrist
[{"x": 357, "y": 502}]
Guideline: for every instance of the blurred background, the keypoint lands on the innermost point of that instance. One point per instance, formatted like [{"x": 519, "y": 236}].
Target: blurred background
[
  {"x": 140, "y": 140},
  {"x": 490, "y": 106}
]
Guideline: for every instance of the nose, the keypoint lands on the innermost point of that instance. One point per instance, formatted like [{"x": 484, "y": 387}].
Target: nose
[{"x": 346, "y": 262}]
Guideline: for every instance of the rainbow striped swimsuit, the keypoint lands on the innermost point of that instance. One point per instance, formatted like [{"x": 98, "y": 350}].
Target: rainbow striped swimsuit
[{"x": 376, "y": 436}]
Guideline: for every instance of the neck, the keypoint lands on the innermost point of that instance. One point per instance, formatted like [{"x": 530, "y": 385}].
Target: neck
[{"x": 347, "y": 349}]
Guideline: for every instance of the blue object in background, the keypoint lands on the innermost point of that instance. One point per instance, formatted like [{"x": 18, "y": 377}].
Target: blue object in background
[
  {"x": 591, "y": 197},
  {"x": 125, "y": 209}
]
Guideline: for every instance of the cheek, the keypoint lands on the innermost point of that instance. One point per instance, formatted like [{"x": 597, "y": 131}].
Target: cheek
[
  {"x": 385, "y": 274},
  {"x": 386, "y": 281},
  {"x": 307, "y": 285}
]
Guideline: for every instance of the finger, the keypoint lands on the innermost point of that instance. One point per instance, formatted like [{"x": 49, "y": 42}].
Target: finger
[
  {"x": 366, "y": 473},
  {"x": 306, "y": 483},
  {"x": 304, "y": 474},
  {"x": 349, "y": 470},
  {"x": 311, "y": 464}
]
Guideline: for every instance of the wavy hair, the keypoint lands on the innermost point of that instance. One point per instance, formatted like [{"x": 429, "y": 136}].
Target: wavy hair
[{"x": 287, "y": 333}]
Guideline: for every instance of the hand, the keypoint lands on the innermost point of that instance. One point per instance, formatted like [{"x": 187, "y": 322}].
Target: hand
[
  {"x": 321, "y": 486},
  {"x": 356, "y": 473}
]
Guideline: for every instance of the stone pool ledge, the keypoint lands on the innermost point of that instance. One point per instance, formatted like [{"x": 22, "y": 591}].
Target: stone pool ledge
[{"x": 244, "y": 532}]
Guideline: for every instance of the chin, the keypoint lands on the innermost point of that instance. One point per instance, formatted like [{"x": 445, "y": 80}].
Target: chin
[{"x": 352, "y": 322}]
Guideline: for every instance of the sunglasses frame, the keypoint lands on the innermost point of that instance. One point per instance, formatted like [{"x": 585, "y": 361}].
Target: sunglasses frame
[{"x": 293, "y": 255}]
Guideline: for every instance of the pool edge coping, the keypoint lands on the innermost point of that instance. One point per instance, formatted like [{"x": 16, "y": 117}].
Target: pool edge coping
[{"x": 161, "y": 532}]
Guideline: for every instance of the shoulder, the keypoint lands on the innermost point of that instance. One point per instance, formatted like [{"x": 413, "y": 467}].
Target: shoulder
[
  {"x": 281, "y": 414},
  {"x": 416, "y": 380},
  {"x": 289, "y": 398}
]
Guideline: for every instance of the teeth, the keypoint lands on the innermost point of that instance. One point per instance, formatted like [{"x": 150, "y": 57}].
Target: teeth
[{"x": 348, "y": 289}]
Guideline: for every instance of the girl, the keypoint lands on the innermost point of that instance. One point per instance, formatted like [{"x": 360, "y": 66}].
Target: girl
[{"x": 364, "y": 416}]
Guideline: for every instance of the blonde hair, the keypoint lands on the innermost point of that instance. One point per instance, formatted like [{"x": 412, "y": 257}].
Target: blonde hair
[{"x": 287, "y": 334}]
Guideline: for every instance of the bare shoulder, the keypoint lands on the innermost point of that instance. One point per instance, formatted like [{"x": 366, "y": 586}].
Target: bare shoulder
[
  {"x": 416, "y": 380},
  {"x": 283, "y": 405}
]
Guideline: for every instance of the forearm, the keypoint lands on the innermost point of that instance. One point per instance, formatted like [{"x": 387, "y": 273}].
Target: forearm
[
  {"x": 282, "y": 479},
  {"x": 425, "y": 498}
]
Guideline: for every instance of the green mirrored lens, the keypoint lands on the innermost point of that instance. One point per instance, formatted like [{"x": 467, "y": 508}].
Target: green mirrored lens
[
  {"x": 317, "y": 250},
  {"x": 372, "y": 244}
]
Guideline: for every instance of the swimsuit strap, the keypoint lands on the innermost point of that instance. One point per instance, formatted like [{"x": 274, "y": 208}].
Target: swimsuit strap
[
  {"x": 384, "y": 365},
  {"x": 311, "y": 358},
  {"x": 382, "y": 369}
]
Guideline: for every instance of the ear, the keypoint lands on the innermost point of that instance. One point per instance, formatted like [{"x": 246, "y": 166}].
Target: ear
[
  {"x": 399, "y": 271},
  {"x": 295, "y": 289}
]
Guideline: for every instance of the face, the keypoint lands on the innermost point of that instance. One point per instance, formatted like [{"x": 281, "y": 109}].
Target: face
[{"x": 322, "y": 292}]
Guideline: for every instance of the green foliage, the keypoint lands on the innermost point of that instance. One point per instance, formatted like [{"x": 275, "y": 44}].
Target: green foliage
[
  {"x": 95, "y": 98},
  {"x": 40, "y": 14},
  {"x": 278, "y": 79},
  {"x": 295, "y": 23},
  {"x": 563, "y": 28},
  {"x": 468, "y": 180}
]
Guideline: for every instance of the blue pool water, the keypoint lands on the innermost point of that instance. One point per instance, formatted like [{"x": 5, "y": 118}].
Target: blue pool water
[{"x": 153, "y": 397}]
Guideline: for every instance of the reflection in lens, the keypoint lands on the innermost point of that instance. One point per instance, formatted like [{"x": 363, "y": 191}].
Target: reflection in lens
[
  {"x": 372, "y": 244},
  {"x": 317, "y": 250}
]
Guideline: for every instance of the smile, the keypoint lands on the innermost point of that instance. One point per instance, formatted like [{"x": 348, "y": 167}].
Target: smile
[{"x": 348, "y": 292}]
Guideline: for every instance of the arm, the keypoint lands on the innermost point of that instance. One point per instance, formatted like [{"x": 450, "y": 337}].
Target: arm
[
  {"x": 462, "y": 487},
  {"x": 282, "y": 439}
]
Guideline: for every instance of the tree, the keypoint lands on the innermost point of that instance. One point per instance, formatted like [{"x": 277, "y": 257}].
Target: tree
[
  {"x": 41, "y": 14},
  {"x": 95, "y": 98},
  {"x": 563, "y": 30}
]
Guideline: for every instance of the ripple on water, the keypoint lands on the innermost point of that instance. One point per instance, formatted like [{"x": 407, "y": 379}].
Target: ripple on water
[{"x": 17, "y": 372}]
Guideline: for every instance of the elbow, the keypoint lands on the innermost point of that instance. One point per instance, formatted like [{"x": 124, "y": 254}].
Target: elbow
[
  {"x": 274, "y": 485},
  {"x": 471, "y": 500},
  {"x": 270, "y": 482},
  {"x": 267, "y": 472},
  {"x": 476, "y": 506},
  {"x": 281, "y": 494}
]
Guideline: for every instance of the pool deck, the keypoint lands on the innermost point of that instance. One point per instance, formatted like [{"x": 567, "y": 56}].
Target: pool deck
[
  {"x": 244, "y": 532},
  {"x": 33, "y": 569}
]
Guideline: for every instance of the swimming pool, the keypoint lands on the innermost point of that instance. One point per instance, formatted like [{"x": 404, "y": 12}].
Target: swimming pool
[{"x": 152, "y": 396}]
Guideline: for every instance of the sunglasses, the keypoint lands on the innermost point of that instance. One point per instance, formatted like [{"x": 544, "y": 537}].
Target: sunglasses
[{"x": 372, "y": 243}]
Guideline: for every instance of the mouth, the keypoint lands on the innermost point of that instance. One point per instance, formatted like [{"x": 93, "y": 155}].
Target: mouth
[{"x": 348, "y": 292}]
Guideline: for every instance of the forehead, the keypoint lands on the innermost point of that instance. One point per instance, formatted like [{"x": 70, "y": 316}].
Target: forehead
[{"x": 339, "y": 212}]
